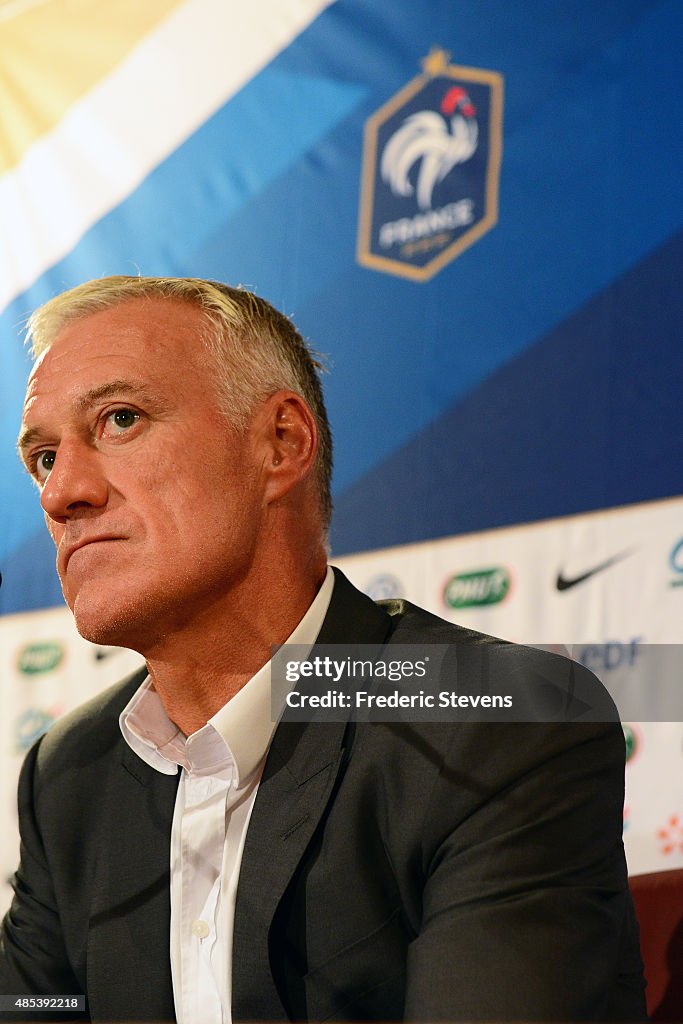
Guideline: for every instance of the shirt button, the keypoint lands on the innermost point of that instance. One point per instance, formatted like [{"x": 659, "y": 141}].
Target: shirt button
[{"x": 200, "y": 929}]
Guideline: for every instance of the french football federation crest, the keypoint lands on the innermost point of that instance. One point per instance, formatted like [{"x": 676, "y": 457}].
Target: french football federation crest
[{"x": 431, "y": 166}]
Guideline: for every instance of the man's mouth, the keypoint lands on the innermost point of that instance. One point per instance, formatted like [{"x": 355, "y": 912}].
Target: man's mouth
[{"x": 78, "y": 545}]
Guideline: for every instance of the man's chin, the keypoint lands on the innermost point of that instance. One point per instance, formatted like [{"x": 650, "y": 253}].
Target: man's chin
[{"x": 104, "y": 626}]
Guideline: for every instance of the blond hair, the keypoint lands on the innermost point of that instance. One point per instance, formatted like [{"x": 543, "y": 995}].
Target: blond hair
[{"x": 257, "y": 350}]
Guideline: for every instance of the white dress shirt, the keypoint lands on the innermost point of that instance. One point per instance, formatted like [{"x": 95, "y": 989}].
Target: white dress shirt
[{"x": 221, "y": 767}]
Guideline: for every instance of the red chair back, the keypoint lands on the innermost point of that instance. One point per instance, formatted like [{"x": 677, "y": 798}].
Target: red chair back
[{"x": 659, "y": 905}]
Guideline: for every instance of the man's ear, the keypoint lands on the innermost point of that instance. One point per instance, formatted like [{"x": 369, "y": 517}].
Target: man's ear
[{"x": 290, "y": 438}]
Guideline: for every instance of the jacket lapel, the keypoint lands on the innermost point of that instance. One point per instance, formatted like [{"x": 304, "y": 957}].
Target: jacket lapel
[
  {"x": 301, "y": 769},
  {"x": 294, "y": 790}
]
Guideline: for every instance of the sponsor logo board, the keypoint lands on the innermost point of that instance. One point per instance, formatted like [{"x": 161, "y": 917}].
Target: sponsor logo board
[
  {"x": 564, "y": 582},
  {"x": 39, "y": 657},
  {"x": 670, "y": 836},
  {"x": 31, "y": 724},
  {"x": 477, "y": 588},
  {"x": 610, "y": 656},
  {"x": 383, "y": 587},
  {"x": 104, "y": 653},
  {"x": 676, "y": 564},
  {"x": 632, "y": 741}
]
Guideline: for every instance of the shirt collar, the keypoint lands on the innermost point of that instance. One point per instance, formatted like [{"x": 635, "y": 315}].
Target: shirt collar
[{"x": 236, "y": 739}]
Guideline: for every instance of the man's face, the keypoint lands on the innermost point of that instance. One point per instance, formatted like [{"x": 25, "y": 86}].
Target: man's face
[{"x": 152, "y": 499}]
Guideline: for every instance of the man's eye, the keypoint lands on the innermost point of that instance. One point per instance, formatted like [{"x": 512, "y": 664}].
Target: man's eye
[
  {"x": 44, "y": 463},
  {"x": 122, "y": 419}
]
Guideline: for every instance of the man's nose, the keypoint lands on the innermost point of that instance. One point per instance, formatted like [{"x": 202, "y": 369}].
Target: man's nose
[{"x": 75, "y": 484}]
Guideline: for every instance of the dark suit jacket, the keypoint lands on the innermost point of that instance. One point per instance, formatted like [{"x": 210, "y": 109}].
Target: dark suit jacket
[{"x": 434, "y": 872}]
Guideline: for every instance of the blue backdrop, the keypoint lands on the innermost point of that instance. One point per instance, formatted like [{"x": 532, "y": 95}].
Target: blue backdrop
[{"x": 536, "y": 374}]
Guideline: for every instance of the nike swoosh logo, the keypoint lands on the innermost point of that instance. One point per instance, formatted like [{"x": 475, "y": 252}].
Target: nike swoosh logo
[
  {"x": 566, "y": 583},
  {"x": 105, "y": 652}
]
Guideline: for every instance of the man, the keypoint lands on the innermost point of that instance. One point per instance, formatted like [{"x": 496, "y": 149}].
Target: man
[{"x": 318, "y": 870}]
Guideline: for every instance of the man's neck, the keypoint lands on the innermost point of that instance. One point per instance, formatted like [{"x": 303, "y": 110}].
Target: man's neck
[{"x": 196, "y": 671}]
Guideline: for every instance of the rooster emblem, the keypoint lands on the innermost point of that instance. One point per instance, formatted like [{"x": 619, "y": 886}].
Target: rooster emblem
[{"x": 438, "y": 143}]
